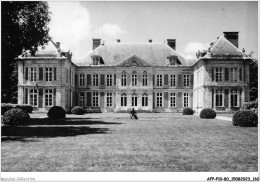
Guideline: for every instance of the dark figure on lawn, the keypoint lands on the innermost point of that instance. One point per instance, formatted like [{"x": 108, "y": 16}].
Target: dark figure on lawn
[{"x": 133, "y": 114}]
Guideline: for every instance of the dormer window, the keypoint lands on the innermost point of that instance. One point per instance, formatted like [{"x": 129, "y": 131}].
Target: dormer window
[
  {"x": 97, "y": 60},
  {"x": 174, "y": 61}
]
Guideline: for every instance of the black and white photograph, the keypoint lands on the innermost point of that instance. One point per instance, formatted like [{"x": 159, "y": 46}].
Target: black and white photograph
[{"x": 129, "y": 90}]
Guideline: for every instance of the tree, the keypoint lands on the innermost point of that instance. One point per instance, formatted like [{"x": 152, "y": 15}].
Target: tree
[
  {"x": 24, "y": 27},
  {"x": 253, "y": 85}
]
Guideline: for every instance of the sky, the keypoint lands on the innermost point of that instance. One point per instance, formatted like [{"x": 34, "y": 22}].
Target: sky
[{"x": 194, "y": 25}]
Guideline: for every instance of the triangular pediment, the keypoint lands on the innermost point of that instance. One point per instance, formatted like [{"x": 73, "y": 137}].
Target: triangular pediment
[
  {"x": 224, "y": 47},
  {"x": 133, "y": 61}
]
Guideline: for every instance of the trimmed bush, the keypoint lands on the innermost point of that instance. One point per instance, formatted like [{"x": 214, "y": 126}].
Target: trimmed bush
[
  {"x": 15, "y": 116},
  {"x": 26, "y": 108},
  {"x": 207, "y": 113},
  {"x": 6, "y": 106},
  {"x": 187, "y": 111},
  {"x": 245, "y": 118},
  {"x": 77, "y": 110},
  {"x": 57, "y": 112}
]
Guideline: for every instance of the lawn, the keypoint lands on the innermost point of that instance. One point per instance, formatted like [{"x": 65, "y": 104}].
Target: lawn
[{"x": 113, "y": 142}]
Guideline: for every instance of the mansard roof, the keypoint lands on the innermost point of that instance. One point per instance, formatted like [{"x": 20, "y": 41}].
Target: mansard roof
[{"x": 152, "y": 53}]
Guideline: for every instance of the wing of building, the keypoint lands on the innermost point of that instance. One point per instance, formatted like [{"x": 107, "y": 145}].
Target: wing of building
[{"x": 145, "y": 76}]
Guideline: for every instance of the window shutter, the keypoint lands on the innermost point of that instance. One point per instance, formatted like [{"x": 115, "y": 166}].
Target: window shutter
[
  {"x": 102, "y": 79},
  {"x": 41, "y": 73},
  {"x": 153, "y": 100},
  {"x": 88, "y": 79},
  {"x": 180, "y": 80},
  {"x": 165, "y": 99},
  {"x": 77, "y": 98},
  {"x": 153, "y": 79},
  {"x": 26, "y": 96},
  {"x": 54, "y": 73},
  {"x": 226, "y": 99},
  {"x": 240, "y": 74},
  {"x": 179, "y": 100},
  {"x": 166, "y": 79},
  {"x": 114, "y": 79},
  {"x": 212, "y": 74},
  {"x": 54, "y": 96},
  {"x": 191, "y": 80},
  {"x": 76, "y": 79},
  {"x": 88, "y": 98},
  {"x": 102, "y": 100},
  {"x": 212, "y": 98},
  {"x": 40, "y": 97},
  {"x": 226, "y": 74},
  {"x": 26, "y": 73}
]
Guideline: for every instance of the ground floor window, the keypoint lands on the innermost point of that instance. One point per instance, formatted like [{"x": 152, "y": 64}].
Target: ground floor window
[
  {"x": 185, "y": 99},
  {"x": 95, "y": 99},
  {"x": 173, "y": 99},
  {"x": 82, "y": 99},
  {"x": 134, "y": 100},
  {"x": 109, "y": 99},
  {"x": 144, "y": 99},
  {"x": 159, "y": 100},
  {"x": 123, "y": 100},
  {"x": 219, "y": 98},
  {"x": 48, "y": 97},
  {"x": 33, "y": 97},
  {"x": 234, "y": 98}
]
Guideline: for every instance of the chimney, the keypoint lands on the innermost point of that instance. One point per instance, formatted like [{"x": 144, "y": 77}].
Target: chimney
[
  {"x": 232, "y": 37},
  {"x": 172, "y": 43},
  {"x": 118, "y": 40},
  {"x": 96, "y": 43},
  {"x": 150, "y": 40}
]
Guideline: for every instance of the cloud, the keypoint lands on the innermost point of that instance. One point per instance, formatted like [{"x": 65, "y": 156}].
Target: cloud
[
  {"x": 70, "y": 24},
  {"x": 192, "y": 47},
  {"x": 111, "y": 29}
]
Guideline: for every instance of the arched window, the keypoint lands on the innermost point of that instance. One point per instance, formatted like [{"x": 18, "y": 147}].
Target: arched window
[
  {"x": 123, "y": 79},
  {"x": 134, "y": 79},
  {"x": 134, "y": 99},
  {"x": 123, "y": 99},
  {"x": 144, "y": 99},
  {"x": 145, "y": 78}
]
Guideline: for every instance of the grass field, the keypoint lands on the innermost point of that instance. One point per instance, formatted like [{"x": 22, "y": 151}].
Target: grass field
[{"x": 113, "y": 142}]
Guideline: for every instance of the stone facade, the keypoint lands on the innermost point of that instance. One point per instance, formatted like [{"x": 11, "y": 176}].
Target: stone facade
[{"x": 144, "y": 77}]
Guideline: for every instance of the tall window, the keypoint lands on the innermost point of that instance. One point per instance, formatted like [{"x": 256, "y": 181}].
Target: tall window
[
  {"x": 95, "y": 99},
  {"x": 145, "y": 78},
  {"x": 82, "y": 99},
  {"x": 233, "y": 74},
  {"x": 134, "y": 100},
  {"x": 123, "y": 79},
  {"x": 173, "y": 99},
  {"x": 173, "y": 84},
  {"x": 81, "y": 80},
  {"x": 48, "y": 74},
  {"x": 33, "y": 74},
  {"x": 219, "y": 98},
  {"x": 218, "y": 74},
  {"x": 48, "y": 97},
  {"x": 159, "y": 100},
  {"x": 109, "y": 99},
  {"x": 159, "y": 80},
  {"x": 186, "y": 100},
  {"x": 95, "y": 80},
  {"x": 144, "y": 99},
  {"x": 134, "y": 79},
  {"x": 109, "y": 80},
  {"x": 234, "y": 98},
  {"x": 96, "y": 60},
  {"x": 123, "y": 100},
  {"x": 186, "y": 80},
  {"x": 33, "y": 97}
]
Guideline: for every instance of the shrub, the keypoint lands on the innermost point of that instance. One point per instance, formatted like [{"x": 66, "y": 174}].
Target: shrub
[
  {"x": 77, "y": 110},
  {"x": 207, "y": 113},
  {"x": 187, "y": 111},
  {"x": 253, "y": 106},
  {"x": 15, "y": 116},
  {"x": 57, "y": 112},
  {"x": 5, "y": 107},
  {"x": 26, "y": 108},
  {"x": 245, "y": 118}
]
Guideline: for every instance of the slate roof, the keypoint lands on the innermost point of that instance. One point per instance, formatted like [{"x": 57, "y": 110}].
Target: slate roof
[{"x": 154, "y": 54}]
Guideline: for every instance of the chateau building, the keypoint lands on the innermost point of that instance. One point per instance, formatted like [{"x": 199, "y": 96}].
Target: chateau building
[{"x": 145, "y": 76}]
